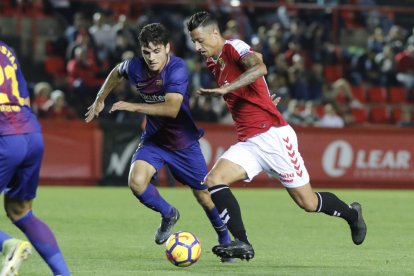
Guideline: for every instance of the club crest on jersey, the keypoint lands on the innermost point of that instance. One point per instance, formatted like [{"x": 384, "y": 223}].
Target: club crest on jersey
[
  {"x": 222, "y": 65},
  {"x": 158, "y": 82}
]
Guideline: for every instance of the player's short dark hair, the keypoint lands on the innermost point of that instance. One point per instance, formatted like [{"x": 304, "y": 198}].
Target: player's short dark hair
[
  {"x": 155, "y": 33},
  {"x": 201, "y": 19}
]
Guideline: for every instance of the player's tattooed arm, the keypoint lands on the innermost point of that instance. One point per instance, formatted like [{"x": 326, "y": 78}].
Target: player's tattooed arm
[
  {"x": 112, "y": 80},
  {"x": 255, "y": 68}
]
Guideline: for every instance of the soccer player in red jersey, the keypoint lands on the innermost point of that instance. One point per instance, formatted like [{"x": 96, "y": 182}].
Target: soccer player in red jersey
[{"x": 265, "y": 141}]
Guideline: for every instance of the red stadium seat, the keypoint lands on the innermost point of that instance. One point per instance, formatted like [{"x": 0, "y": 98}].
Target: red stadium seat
[
  {"x": 379, "y": 115},
  {"x": 377, "y": 94},
  {"x": 55, "y": 66},
  {"x": 360, "y": 114},
  {"x": 395, "y": 114},
  {"x": 397, "y": 94},
  {"x": 359, "y": 94},
  {"x": 332, "y": 72}
]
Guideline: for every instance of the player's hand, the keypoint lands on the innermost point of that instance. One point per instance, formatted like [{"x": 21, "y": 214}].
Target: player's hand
[
  {"x": 94, "y": 110},
  {"x": 121, "y": 105},
  {"x": 275, "y": 99},
  {"x": 220, "y": 91}
]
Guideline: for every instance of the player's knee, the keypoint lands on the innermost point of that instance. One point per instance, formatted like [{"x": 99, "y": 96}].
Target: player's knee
[
  {"x": 213, "y": 180},
  {"x": 15, "y": 212},
  {"x": 137, "y": 184}
]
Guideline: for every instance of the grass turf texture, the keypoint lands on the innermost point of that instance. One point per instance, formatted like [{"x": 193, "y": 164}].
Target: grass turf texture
[{"x": 106, "y": 231}]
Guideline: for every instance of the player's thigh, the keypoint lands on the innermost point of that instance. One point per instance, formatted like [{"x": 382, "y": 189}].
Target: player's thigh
[
  {"x": 145, "y": 163},
  {"x": 237, "y": 163},
  {"x": 188, "y": 166},
  {"x": 11, "y": 155},
  {"x": 279, "y": 155},
  {"x": 27, "y": 159}
]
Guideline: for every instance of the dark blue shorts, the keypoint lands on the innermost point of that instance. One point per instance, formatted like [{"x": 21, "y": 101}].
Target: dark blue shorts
[
  {"x": 187, "y": 165},
  {"x": 20, "y": 159}
]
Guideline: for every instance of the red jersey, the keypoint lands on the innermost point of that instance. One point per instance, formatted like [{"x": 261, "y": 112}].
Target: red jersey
[{"x": 251, "y": 106}]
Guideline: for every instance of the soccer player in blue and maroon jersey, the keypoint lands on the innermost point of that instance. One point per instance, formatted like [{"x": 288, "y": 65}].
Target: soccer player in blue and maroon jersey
[
  {"x": 21, "y": 152},
  {"x": 266, "y": 142},
  {"x": 170, "y": 136}
]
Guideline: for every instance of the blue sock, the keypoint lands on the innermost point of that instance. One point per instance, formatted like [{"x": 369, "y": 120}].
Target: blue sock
[
  {"x": 42, "y": 238},
  {"x": 3, "y": 237},
  {"x": 152, "y": 199},
  {"x": 220, "y": 227}
]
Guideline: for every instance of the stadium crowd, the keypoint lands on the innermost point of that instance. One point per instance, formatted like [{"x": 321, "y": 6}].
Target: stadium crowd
[{"x": 321, "y": 83}]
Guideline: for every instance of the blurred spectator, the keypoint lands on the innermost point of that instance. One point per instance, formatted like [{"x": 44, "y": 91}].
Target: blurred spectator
[
  {"x": 410, "y": 39},
  {"x": 72, "y": 31},
  {"x": 406, "y": 119},
  {"x": 298, "y": 79},
  {"x": 121, "y": 46},
  {"x": 83, "y": 79},
  {"x": 365, "y": 69},
  {"x": 293, "y": 114},
  {"x": 310, "y": 113},
  {"x": 331, "y": 118},
  {"x": 102, "y": 35},
  {"x": 395, "y": 38},
  {"x": 377, "y": 40},
  {"x": 40, "y": 103},
  {"x": 58, "y": 109},
  {"x": 386, "y": 63},
  {"x": 122, "y": 27},
  {"x": 202, "y": 110},
  {"x": 405, "y": 67}
]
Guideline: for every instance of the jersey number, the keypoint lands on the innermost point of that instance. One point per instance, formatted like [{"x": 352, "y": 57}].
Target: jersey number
[{"x": 8, "y": 73}]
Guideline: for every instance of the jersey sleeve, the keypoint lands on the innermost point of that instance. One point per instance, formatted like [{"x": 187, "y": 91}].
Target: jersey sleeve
[
  {"x": 123, "y": 69},
  {"x": 178, "y": 79},
  {"x": 239, "y": 50}
]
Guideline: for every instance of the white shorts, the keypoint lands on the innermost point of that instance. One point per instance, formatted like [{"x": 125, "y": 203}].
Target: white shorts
[{"x": 275, "y": 152}]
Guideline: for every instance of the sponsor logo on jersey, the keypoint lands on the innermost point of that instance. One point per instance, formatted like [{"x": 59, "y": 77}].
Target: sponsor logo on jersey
[{"x": 153, "y": 98}]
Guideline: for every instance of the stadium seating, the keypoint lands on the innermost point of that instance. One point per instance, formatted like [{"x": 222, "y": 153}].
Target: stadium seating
[
  {"x": 397, "y": 94},
  {"x": 395, "y": 114},
  {"x": 333, "y": 72},
  {"x": 360, "y": 115},
  {"x": 55, "y": 66},
  {"x": 377, "y": 94},
  {"x": 359, "y": 93},
  {"x": 379, "y": 115}
]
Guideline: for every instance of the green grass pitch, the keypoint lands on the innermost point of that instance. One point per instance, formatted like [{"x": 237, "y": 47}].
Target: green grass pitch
[{"x": 106, "y": 231}]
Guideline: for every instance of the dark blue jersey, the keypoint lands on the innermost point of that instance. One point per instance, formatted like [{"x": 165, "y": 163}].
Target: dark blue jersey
[
  {"x": 172, "y": 133},
  {"x": 15, "y": 116}
]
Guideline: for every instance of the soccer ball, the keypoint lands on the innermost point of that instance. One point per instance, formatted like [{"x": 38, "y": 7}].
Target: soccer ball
[{"x": 183, "y": 249}]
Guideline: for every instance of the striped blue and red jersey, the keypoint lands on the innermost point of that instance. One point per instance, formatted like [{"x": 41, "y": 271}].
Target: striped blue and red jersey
[
  {"x": 15, "y": 116},
  {"x": 172, "y": 133}
]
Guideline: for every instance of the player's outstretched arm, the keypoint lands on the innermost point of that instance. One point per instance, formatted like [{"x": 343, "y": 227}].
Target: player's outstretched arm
[
  {"x": 111, "y": 81},
  {"x": 169, "y": 108}
]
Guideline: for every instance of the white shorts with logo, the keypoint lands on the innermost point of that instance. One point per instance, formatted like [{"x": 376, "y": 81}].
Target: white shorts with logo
[{"x": 275, "y": 152}]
